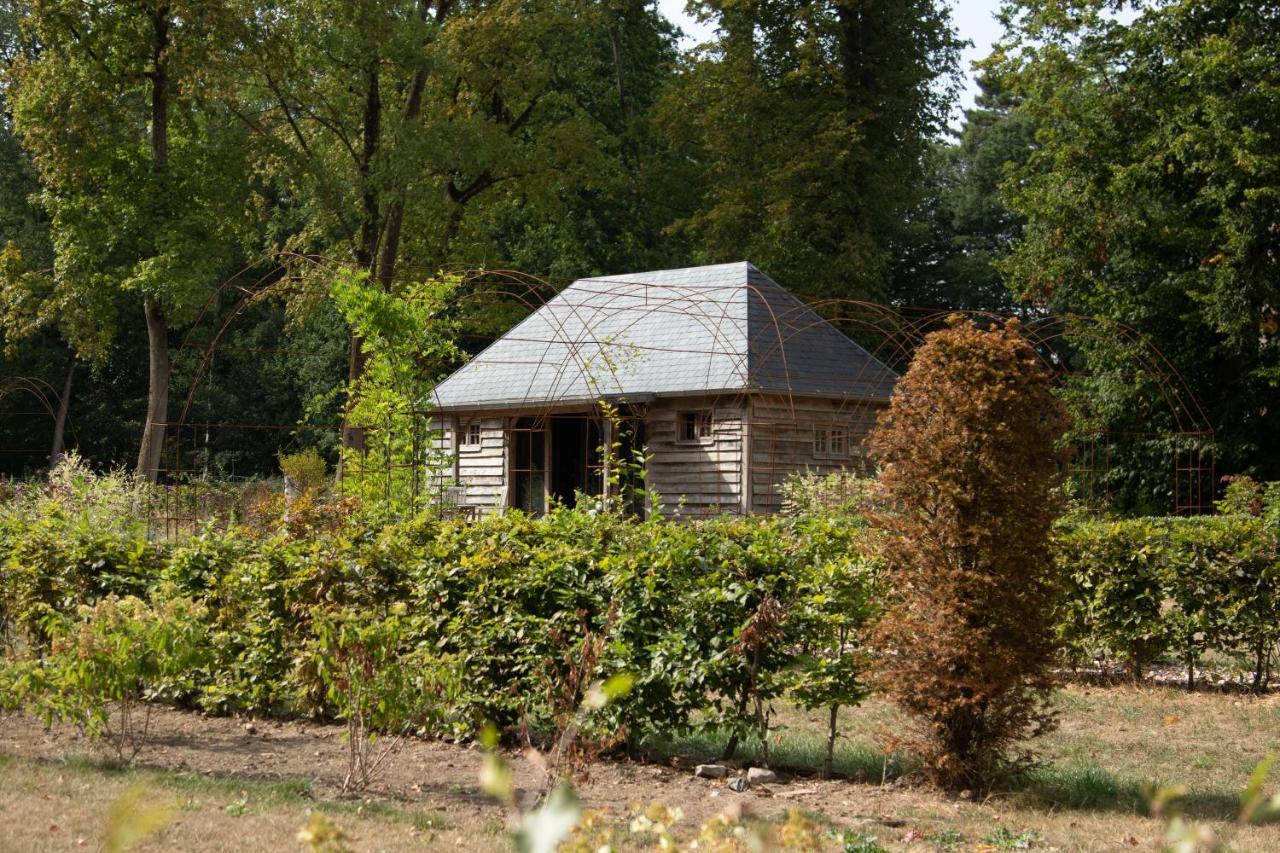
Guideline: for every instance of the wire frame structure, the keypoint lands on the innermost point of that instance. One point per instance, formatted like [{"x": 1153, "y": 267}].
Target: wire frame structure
[
  {"x": 728, "y": 389},
  {"x": 48, "y": 402}
]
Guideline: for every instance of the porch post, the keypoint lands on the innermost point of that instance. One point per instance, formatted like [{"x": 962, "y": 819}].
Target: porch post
[{"x": 606, "y": 456}]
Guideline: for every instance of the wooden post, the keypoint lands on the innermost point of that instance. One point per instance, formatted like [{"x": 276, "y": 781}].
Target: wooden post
[{"x": 745, "y": 499}]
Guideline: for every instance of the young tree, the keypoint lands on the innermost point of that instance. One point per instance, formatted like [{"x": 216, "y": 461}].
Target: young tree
[
  {"x": 139, "y": 175},
  {"x": 967, "y": 484}
]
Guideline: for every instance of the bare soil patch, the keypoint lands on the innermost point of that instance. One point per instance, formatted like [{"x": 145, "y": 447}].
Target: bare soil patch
[{"x": 54, "y": 795}]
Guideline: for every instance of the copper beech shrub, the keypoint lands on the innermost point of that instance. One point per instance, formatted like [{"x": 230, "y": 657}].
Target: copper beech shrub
[{"x": 966, "y": 497}]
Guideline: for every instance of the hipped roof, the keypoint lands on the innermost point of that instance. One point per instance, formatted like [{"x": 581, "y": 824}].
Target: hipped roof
[{"x": 726, "y": 328}]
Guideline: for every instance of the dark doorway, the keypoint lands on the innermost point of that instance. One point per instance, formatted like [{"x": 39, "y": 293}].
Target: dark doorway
[{"x": 576, "y": 458}]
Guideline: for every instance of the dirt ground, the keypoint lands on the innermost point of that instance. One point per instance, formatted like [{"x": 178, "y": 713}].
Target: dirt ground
[{"x": 241, "y": 786}]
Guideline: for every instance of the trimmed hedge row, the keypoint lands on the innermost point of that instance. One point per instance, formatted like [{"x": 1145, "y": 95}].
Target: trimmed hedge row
[
  {"x": 515, "y": 607},
  {"x": 711, "y": 619},
  {"x": 1151, "y": 589}
]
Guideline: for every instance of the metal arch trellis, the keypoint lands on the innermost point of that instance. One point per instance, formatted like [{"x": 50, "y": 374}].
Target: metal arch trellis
[
  {"x": 282, "y": 280},
  {"x": 1052, "y": 336},
  {"x": 890, "y": 333},
  {"x": 49, "y": 400}
]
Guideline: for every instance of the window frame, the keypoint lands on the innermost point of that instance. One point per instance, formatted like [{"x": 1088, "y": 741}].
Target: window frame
[
  {"x": 831, "y": 442},
  {"x": 533, "y": 434},
  {"x": 465, "y": 432},
  {"x": 704, "y": 427}
]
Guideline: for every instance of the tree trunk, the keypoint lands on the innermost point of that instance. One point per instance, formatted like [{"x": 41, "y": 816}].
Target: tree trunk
[
  {"x": 60, "y": 419},
  {"x": 149, "y": 452},
  {"x": 831, "y": 742},
  {"x": 367, "y": 250},
  {"x": 1260, "y": 667},
  {"x": 731, "y": 748},
  {"x": 157, "y": 393},
  {"x": 615, "y": 44},
  {"x": 352, "y": 435}
]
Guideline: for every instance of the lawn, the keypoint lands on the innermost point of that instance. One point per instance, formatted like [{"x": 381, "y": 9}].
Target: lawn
[{"x": 228, "y": 787}]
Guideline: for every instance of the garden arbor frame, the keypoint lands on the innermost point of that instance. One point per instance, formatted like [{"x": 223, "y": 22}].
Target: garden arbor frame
[{"x": 589, "y": 349}]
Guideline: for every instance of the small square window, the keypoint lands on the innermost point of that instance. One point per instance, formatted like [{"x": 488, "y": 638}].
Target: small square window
[
  {"x": 693, "y": 427},
  {"x": 469, "y": 434},
  {"x": 830, "y": 442}
]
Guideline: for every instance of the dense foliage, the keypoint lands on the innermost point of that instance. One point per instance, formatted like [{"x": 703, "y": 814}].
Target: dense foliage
[
  {"x": 807, "y": 124},
  {"x": 1116, "y": 166},
  {"x": 439, "y": 626},
  {"x": 946, "y": 253},
  {"x": 1143, "y": 590},
  {"x": 512, "y": 619},
  {"x": 1151, "y": 199},
  {"x": 967, "y": 447}
]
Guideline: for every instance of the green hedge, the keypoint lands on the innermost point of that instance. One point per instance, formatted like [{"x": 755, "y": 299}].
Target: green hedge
[
  {"x": 527, "y": 611},
  {"x": 710, "y": 619},
  {"x": 1150, "y": 589}
]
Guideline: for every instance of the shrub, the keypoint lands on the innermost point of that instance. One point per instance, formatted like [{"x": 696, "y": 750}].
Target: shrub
[
  {"x": 55, "y": 564},
  {"x": 969, "y": 467},
  {"x": 531, "y": 612},
  {"x": 107, "y": 661},
  {"x": 1142, "y": 589},
  {"x": 1243, "y": 495},
  {"x": 375, "y": 684},
  {"x": 842, "y": 493},
  {"x": 304, "y": 471},
  {"x": 70, "y": 540},
  {"x": 837, "y": 600},
  {"x": 1114, "y": 606}
]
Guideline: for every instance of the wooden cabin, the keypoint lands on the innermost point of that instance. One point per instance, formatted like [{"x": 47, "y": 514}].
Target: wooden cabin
[{"x": 728, "y": 383}]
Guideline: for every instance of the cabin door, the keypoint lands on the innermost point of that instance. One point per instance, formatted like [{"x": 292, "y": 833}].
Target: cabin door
[
  {"x": 527, "y": 440},
  {"x": 576, "y": 458}
]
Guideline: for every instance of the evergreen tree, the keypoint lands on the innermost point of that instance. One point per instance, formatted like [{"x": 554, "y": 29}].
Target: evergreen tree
[
  {"x": 967, "y": 449},
  {"x": 946, "y": 255}
]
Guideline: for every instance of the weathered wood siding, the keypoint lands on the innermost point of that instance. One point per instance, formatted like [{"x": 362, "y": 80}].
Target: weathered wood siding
[
  {"x": 478, "y": 472},
  {"x": 781, "y": 433},
  {"x": 755, "y": 445},
  {"x": 696, "y": 479}
]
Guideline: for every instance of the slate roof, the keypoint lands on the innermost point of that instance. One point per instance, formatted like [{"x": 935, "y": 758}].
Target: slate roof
[{"x": 726, "y": 328}]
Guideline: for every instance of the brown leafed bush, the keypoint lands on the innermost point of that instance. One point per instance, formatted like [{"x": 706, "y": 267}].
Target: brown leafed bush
[{"x": 966, "y": 498}]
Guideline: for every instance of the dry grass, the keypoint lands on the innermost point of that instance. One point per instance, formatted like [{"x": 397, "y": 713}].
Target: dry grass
[
  {"x": 65, "y": 806},
  {"x": 1088, "y": 795},
  {"x": 1091, "y": 791}
]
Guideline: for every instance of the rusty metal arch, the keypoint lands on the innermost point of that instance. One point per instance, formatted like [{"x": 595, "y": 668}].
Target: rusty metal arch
[
  {"x": 891, "y": 333},
  {"x": 45, "y": 395}
]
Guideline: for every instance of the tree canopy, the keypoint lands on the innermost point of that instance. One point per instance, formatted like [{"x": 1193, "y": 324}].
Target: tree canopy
[
  {"x": 1152, "y": 198},
  {"x": 808, "y": 123},
  {"x": 159, "y": 157}
]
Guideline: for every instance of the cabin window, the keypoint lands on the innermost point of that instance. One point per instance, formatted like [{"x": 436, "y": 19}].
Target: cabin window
[
  {"x": 528, "y": 444},
  {"x": 693, "y": 427},
  {"x": 830, "y": 442},
  {"x": 469, "y": 434}
]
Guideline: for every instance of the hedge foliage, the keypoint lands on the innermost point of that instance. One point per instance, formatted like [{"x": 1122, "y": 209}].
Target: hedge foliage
[
  {"x": 518, "y": 615},
  {"x": 515, "y": 617},
  {"x": 1149, "y": 589}
]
